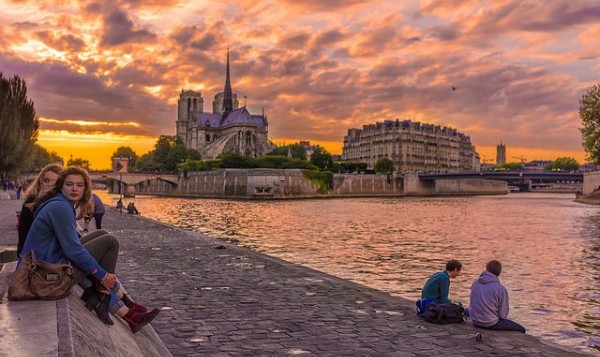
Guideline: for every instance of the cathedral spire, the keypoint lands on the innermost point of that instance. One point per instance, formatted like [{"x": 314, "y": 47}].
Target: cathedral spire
[{"x": 227, "y": 93}]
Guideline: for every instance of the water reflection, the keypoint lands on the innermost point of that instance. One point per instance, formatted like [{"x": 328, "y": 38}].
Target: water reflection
[{"x": 549, "y": 246}]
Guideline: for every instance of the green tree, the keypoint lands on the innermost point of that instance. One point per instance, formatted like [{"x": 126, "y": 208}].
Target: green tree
[
  {"x": 169, "y": 152},
  {"x": 39, "y": 158},
  {"x": 162, "y": 147},
  {"x": 384, "y": 166},
  {"x": 321, "y": 158},
  {"x": 126, "y": 151},
  {"x": 589, "y": 112},
  {"x": 79, "y": 162},
  {"x": 512, "y": 166},
  {"x": 563, "y": 164},
  {"x": 147, "y": 163},
  {"x": 296, "y": 151},
  {"x": 19, "y": 125}
]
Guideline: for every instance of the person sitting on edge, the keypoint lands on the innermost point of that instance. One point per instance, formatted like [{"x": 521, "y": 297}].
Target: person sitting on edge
[
  {"x": 53, "y": 238},
  {"x": 437, "y": 286},
  {"x": 43, "y": 182},
  {"x": 489, "y": 301}
]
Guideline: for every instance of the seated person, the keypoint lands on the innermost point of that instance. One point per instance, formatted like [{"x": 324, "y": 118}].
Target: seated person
[
  {"x": 489, "y": 301},
  {"x": 437, "y": 287}
]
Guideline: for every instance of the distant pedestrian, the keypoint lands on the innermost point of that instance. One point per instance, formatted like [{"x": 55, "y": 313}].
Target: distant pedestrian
[
  {"x": 19, "y": 190},
  {"x": 489, "y": 301},
  {"x": 120, "y": 205}
]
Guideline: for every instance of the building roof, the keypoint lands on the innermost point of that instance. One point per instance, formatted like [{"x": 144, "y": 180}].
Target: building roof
[{"x": 238, "y": 116}]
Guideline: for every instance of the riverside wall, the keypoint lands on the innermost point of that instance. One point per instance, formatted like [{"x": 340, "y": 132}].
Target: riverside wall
[
  {"x": 591, "y": 181},
  {"x": 294, "y": 183}
]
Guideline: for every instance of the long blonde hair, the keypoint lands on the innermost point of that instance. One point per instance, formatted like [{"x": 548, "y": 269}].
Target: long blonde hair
[
  {"x": 85, "y": 204},
  {"x": 36, "y": 186}
]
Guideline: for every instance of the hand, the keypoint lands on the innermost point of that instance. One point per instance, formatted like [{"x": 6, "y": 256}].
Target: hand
[{"x": 109, "y": 280}]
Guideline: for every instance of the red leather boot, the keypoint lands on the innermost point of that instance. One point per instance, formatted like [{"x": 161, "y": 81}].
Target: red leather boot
[
  {"x": 137, "y": 320},
  {"x": 132, "y": 305}
]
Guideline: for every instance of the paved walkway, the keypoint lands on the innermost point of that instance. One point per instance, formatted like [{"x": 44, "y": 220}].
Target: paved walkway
[{"x": 222, "y": 300}]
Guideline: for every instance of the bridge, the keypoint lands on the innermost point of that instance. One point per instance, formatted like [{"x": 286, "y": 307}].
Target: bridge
[
  {"x": 523, "y": 179},
  {"x": 128, "y": 183}
]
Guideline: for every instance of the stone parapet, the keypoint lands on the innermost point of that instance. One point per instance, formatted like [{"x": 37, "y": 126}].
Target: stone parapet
[{"x": 65, "y": 327}]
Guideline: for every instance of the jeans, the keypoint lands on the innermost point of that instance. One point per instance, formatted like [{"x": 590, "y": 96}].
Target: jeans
[{"x": 505, "y": 325}]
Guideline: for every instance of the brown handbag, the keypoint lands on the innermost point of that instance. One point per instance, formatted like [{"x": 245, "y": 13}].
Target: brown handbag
[{"x": 37, "y": 279}]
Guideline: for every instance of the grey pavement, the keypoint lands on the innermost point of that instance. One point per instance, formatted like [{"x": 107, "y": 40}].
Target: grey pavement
[{"x": 219, "y": 299}]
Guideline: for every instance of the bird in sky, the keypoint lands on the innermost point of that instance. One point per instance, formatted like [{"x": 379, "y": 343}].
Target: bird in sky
[{"x": 453, "y": 88}]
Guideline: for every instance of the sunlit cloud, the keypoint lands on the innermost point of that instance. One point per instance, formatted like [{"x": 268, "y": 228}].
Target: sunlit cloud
[
  {"x": 317, "y": 68},
  {"x": 85, "y": 123}
]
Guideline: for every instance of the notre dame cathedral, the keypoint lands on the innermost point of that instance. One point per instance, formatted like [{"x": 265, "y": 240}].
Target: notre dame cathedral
[{"x": 227, "y": 129}]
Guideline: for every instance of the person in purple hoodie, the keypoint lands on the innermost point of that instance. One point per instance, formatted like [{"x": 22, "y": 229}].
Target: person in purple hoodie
[{"x": 489, "y": 301}]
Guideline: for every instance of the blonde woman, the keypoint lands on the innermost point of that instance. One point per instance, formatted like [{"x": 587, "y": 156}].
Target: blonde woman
[
  {"x": 43, "y": 182},
  {"x": 53, "y": 237}
]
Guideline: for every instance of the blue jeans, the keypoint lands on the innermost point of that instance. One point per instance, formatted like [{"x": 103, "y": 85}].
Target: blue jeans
[{"x": 505, "y": 325}]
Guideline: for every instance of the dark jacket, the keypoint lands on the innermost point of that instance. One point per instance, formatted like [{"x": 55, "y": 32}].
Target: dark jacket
[{"x": 25, "y": 221}]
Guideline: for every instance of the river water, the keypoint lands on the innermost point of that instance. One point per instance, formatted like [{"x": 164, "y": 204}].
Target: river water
[{"x": 549, "y": 246}]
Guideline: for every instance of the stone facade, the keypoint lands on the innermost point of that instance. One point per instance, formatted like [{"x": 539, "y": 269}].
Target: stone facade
[
  {"x": 227, "y": 129},
  {"x": 412, "y": 146}
]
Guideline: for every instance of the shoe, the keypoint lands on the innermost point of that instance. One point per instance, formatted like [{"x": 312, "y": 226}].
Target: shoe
[
  {"x": 99, "y": 302},
  {"x": 137, "y": 320},
  {"x": 132, "y": 305}
]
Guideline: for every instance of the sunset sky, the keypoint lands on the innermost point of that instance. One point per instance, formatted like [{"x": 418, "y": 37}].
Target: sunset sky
[{"x": 108, "y": 73}]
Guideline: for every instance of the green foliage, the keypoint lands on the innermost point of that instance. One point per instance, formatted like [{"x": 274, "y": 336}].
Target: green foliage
[
  {"x": 40, "y": 157},
  {"x": 231, "y": 160},
  {"x": 282, "y": 162},
  {"x": 297, "y": 151},
  {"x": 168, "y": 154},
  {"x": 19, "y": 125},
  {"x": 147, "y": 163},
  {"x": 323, "y": 179},
  {"x": 589, "y": 112},
  {"x": 235, "y": 161},
  {"x": 348, "y": 167},
  {"x": 79, "y": 162},
  {"x": 126, "y": 151},
  {"x": 321, "y": 158},
  {"x": 384, "y": 166},
  {"x": 563, "y": 164},
  {"x": 198, "y": 165},
  {"x": 511, "y": 166}
]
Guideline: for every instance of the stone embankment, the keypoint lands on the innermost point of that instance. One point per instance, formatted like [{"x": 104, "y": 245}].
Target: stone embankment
[
  {"x": 295, "y": 183},
  {"x": 219, "y": 299},
  {"x": 591, "y": 189}
]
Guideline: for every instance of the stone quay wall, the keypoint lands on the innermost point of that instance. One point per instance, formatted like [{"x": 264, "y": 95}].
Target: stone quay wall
[
  {"x": 293, "y": 183},
  {"x": 591, "y": 181}
]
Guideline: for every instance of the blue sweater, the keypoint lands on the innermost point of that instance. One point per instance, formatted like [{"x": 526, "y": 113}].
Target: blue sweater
[
  {"x": 437, "y": 288},
  {"x": 53, "y": 237}
]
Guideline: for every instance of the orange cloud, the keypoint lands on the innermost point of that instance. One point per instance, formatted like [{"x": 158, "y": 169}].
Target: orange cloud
[{"x": 317, "y": 68}]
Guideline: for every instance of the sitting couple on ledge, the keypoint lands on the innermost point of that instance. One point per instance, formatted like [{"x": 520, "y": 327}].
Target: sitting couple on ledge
[{"x": 489, "y": 298}]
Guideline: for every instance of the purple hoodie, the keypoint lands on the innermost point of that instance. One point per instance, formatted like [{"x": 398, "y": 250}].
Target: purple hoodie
[{"x": 489, "y": 300}]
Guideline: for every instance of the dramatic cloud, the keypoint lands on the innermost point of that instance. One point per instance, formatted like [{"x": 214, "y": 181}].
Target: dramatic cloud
[{"x": 317, "y": 68}]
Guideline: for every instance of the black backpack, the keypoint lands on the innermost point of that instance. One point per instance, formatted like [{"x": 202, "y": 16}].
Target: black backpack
[{"x": 445, "y": 314}]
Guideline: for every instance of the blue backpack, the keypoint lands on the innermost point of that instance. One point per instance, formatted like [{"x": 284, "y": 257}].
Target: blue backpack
[{"x": 422, "y": 306}]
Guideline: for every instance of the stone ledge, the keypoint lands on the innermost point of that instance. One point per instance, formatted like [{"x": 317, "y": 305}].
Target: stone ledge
[{"x": 66, "y": 328}]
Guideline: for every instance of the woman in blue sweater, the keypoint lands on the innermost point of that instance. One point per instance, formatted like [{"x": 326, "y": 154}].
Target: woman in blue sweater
[{"x": 53, "y": 237}]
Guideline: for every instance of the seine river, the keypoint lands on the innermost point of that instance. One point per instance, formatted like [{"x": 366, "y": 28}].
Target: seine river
[{"x": 549, "y": 246}]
